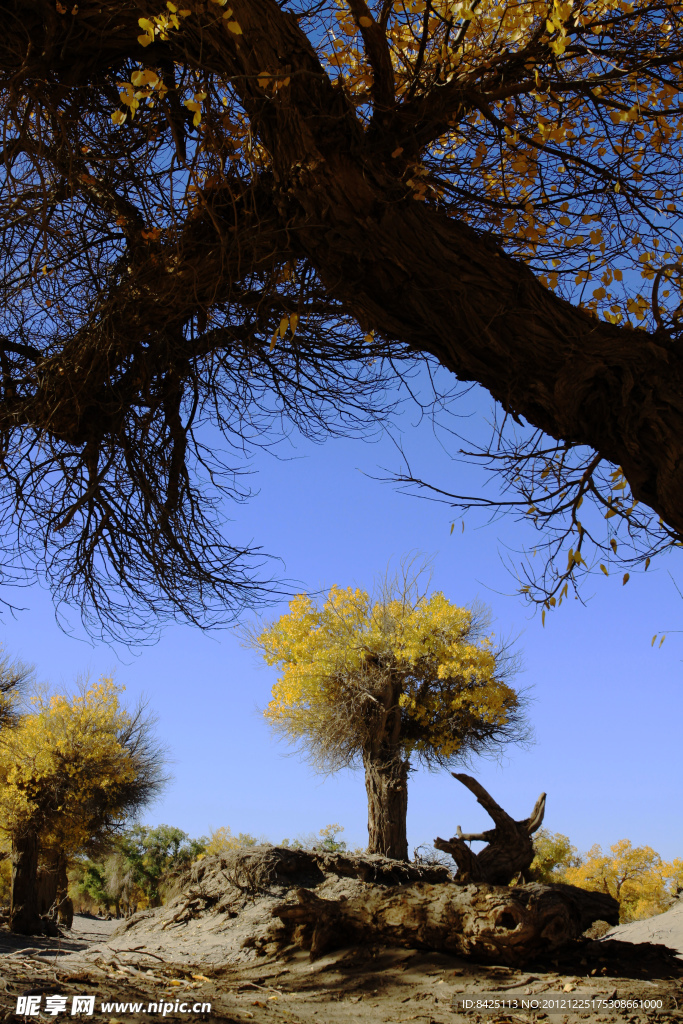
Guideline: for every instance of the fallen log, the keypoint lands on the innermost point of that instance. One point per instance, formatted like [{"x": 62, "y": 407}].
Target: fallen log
[
  {"x": 510, "y": 849},
  {"x": 489, "y": 923}
]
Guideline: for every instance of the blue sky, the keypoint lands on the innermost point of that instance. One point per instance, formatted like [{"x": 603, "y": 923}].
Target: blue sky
[{"x": 607, "y": 707}]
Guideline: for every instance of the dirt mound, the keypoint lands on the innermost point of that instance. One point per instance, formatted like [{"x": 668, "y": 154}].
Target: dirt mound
[
  {"x": 215, "y": 942},
  {"x": 221, "y": 909}
]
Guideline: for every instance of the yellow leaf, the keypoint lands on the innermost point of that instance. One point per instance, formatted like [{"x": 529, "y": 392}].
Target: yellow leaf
[
  {"x": 647, "y": 562},
  {"x": 234, "y": 27},
  {"x": 365, "y": 21},
  {"x": 653, "y": 640},
  {"x": 613, "y": 545},
  {"x": 662, "y": 640},
  {"x": 283, "y": 326},
  {"x": 626, "y": 578},
  {"x": 543, "y": 617},
  {"x": 145, "y": 40},
  {"x": 118, "y": 117},
  {"x": 452, "y": 527},
  {"x": 146, "y": 24},
  {"x": 273, "y": 340},
  {"x": 293, "y": 321},
  {"x": 604, "y": 569}
]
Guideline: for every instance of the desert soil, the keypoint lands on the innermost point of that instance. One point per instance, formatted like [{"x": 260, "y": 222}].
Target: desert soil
[{"x": 213, "y": 942}]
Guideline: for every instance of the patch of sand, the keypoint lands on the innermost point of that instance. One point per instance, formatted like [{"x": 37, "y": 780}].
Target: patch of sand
[{"x": 666, "y": 928}]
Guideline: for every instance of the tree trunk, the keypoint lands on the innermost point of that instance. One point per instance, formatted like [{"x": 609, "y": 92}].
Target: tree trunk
[
  {"x": 64, "y": 908},
  {"x": 52, "y": 890},
  {"x": 495, "y": 923},
  {"x": 24, "y": 916},
  {"x": 387, "y": 789}
]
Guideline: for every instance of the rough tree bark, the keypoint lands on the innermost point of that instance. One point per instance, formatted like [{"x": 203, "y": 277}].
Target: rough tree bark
[
  {"x": 53, "y": 890},
  {"x": 24, "y": 916},
  {"x": 387, "y": 790},
  {"x": 510, "y": 849},
  {"x": 408, "y": 271},
  {"x": 501, "y": 924}
]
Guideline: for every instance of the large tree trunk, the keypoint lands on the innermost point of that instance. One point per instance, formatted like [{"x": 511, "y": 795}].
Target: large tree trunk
[
  {"x": 387, "y": 789},
  {"x": 24, "y": 913},
  {"x": 495, "y": 923},
  {"x": 53, "y": 890}
]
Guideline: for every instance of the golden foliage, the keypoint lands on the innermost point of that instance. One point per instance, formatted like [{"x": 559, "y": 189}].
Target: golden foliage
[
  {"x": 553, "y": 856},
  {"x": 67, "y": 770},
  {"x": 414, "y": 672},
  {"x": 223, "y": 839},
  {"x": 635, "y": 876}
]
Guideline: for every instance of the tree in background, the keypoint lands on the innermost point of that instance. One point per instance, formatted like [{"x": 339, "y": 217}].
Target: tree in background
[
  {"x": 385, "y": 683},
  {"x": 72, "y": 771},
  {"x": 635, "y": 875},
  {"x": 554, "y": 854},
  {"x": 223, "y": 839},
  {"x": 14, "y": 677},
  {"x": 136, "y": 870},
  {"x": 494, "y": 186},
  {"x": 153, "y": 855}
]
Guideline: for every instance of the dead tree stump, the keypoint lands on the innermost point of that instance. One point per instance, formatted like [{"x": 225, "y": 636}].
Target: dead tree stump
[{"x": 510, "y": 849}]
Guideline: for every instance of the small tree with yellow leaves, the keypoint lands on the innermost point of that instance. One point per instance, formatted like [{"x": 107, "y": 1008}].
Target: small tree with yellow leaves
[
  {"x": 385, "y": 682},
  {"x": 71, "y": 772}
]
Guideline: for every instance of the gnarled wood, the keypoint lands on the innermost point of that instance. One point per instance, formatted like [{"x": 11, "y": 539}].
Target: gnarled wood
[
  {"x": 510, "y": 849},
  {"x": 495, "y": 923}
]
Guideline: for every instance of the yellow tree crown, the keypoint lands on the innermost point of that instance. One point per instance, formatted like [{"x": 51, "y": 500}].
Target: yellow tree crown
[
  {"x": 68, "y": 769},
  {"x": 419, "y": 671}
]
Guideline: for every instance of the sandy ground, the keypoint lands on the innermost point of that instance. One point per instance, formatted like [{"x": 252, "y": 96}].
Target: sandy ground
[
  {"x": 665, "y": 928},
  {"x": 212, "y": 944}
]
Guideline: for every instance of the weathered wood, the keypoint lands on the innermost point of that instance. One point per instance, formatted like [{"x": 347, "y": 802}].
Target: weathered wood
[
  {"x": 260, "y": 867},
  {"x": 491, "y": 923},
  {"x": 510, "y": 849}
]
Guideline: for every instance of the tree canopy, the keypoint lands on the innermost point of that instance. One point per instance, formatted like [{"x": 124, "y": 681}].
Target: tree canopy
[
  {"x": 350, "y": 664},
  {"x": 74, "y": 768},
  {"x": 636, "y": 876},
  {"x": 249, "y": 216}
]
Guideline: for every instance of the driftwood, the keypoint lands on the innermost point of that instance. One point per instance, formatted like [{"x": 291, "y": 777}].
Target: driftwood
[
  {"x": 490, "y": 923},
  {"x": 510, "y": 849}
]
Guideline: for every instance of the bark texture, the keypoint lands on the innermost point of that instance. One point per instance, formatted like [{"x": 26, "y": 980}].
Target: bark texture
[
  {"x": 53, "y": 891},
  {"x": 24, "y": 915},
  {"x": 387, "y": 790},
  {"x": 510, "y": 849},
  {"x": 494, "y": 923}
]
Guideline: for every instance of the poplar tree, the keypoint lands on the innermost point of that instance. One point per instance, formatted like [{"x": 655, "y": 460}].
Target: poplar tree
[
  {"x": 71, "y": 771},
  {"x": 386, "y": 684}
]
